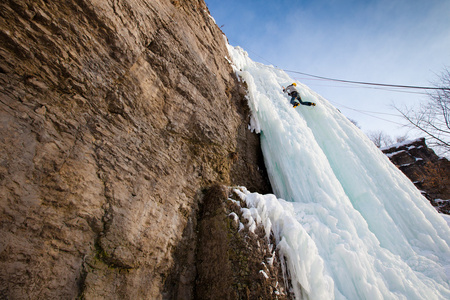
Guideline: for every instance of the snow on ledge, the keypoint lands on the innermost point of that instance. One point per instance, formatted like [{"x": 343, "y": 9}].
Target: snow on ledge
[{"x": 401, "y": 144}]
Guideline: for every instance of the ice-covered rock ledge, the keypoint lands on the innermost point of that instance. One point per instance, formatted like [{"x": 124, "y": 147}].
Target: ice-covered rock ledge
[
  {"x": 429, "y": 172},
  {"x": 300, "y": 261},
  {"x": 238, "y": 257}
]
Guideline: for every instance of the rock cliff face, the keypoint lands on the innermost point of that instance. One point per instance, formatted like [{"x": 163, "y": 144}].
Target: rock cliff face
[
  {"x": 430, "y": 173},
  {"x": 115, "y": 116}
]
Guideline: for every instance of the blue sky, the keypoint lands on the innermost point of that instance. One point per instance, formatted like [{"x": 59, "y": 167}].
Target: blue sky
[{"x": 396, "y": 41}]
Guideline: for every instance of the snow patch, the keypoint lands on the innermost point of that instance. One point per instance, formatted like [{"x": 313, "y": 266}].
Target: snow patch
[{"x": 401, "y": 144}]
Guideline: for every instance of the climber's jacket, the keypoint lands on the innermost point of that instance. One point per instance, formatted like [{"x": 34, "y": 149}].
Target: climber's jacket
[{"x": 291, "y": 90}]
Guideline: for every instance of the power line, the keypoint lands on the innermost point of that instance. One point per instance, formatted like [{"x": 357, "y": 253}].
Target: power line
[
  {"x": 355, "y": 82},
  {"x": 379, "y": 86},
  {"x": 361, "y": 112},
  {"x": 389, "y": 89},
  {"x": 369, "y": 83},
  {"x": 366, "y": 112},
  {"x": 367, "y": 87}
]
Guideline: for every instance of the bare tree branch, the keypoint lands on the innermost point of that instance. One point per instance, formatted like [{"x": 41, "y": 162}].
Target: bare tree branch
[
  {"x": 433, "y": 119},
  {"x": 421, "y": 128}
]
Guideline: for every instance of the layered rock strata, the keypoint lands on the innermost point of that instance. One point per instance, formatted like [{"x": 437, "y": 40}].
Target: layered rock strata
[
  {"x": 429, "y": 172},
  {"x": 114, "y": 117}
]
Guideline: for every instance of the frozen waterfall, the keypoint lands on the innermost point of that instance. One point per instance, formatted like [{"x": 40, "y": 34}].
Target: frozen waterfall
[{"x": 351, "y": 225}]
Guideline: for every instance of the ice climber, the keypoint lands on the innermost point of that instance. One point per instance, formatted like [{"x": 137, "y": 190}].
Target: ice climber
[{"x": 296, "y": 100}]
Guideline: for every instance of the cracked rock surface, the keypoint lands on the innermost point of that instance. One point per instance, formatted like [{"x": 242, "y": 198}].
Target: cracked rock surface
[
  {"x": 114, "y": 115},
  {"x": 429, "y": 172}
]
